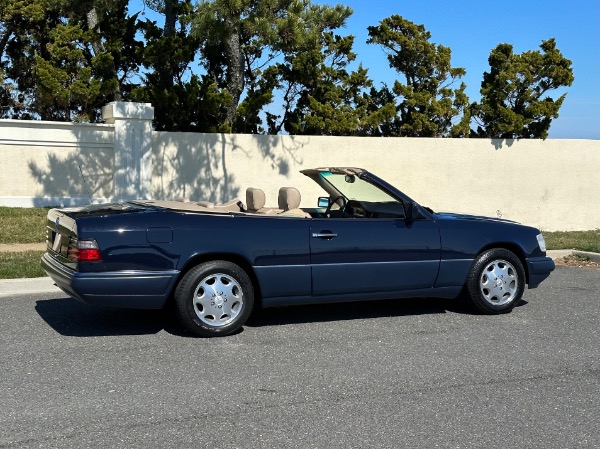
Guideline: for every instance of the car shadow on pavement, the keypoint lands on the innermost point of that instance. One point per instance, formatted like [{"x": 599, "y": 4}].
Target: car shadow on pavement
[
  {"x": 361, "y": 310},
  {"x": 69, "y": 317}
]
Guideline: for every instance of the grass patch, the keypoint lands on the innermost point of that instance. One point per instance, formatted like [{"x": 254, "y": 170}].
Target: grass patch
[
  {"x": 24, "y": 264},
  {"x": 581, "y": 240},
  {"x": 22, "y": 225}
]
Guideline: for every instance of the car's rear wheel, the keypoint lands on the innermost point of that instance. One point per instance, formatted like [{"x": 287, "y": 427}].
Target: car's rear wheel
[
  {"x": 496, "y": 281},
  {"x": 214, "y": 298}
]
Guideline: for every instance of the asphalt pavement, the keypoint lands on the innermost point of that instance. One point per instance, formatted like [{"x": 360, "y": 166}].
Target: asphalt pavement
[{"x": 390, "y": 374}]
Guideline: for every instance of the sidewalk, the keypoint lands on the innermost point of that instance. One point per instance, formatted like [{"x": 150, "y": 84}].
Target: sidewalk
[
  {"x": 44, "y": 285},
  {"x": 18, "y": 247}
]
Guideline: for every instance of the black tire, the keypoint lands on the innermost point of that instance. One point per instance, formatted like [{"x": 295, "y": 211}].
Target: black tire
[
  {"x": 496, "y": 281},
  {"x": 214, "y": 298}
]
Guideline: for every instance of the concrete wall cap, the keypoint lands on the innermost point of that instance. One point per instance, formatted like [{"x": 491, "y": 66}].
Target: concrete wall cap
[{"x": 122, "y": 110}]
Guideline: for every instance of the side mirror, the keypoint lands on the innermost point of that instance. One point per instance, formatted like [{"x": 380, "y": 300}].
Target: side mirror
[
  {"x": 323, "y": 201},
  {"x": 411, "y": 211}
]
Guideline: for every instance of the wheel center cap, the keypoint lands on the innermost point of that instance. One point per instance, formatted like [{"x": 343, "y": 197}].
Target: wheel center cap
[{"x": 219, "y": 300}]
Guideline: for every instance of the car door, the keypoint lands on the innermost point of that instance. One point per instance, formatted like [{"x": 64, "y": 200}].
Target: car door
[
  {"x": 350, "y": 256},
  {"x": 278, "y": 249}
]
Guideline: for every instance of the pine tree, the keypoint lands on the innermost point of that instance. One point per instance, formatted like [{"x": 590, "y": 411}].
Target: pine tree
[
  {"x": 427, "y": 104},
  {"x": 514, "y": 102},
  {"x": 64, "y": 59},
  {"x": 243, "y": 43}
]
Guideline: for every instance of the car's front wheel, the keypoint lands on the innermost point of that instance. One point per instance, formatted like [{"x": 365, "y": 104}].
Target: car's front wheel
[
  {"x": 214, "y": 298},
  {"x": 496, "y": 281}
]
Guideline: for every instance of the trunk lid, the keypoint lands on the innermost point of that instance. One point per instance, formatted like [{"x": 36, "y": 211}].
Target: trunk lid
[{"x": 61, "y": 226}]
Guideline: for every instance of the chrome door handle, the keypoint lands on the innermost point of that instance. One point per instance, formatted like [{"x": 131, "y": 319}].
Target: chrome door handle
[{"x": 324, "y": 235}]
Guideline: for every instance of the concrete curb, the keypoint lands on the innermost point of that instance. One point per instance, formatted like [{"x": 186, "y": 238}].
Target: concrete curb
[
  {"x": 27, "y": 286},
  {"x": 44, "y": 285},
  {"x": 594, "y": 257},
  {"x": 558, "y": 253}
]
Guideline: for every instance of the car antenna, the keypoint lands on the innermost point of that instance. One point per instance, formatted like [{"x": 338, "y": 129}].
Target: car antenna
[{"x": 87, "y": 186}]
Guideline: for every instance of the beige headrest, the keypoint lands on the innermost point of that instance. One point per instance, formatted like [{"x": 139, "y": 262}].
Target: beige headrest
[
  {"x": 289, "y": 198},
  {"x": 255, "y": 198}
]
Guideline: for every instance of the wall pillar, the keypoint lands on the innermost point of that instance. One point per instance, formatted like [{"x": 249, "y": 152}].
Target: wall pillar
[{"x": 133, "y": 148}]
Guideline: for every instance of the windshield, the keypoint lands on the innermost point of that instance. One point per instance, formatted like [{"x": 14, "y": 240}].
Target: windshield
[{"x": 354, "y": 188}]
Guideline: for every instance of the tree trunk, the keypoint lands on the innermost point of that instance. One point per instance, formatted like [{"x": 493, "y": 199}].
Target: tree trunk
[
  {"x": 235, "y": 68},
  {"x": 92, "y": 22},
  {"x": 170, "y": 17}
]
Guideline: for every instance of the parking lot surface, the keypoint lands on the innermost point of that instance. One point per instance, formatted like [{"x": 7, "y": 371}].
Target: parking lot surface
[{"x": 392, "y": 374}]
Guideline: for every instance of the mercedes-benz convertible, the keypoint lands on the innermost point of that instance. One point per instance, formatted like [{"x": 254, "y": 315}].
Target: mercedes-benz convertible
[{"x": 362, "y": 240}]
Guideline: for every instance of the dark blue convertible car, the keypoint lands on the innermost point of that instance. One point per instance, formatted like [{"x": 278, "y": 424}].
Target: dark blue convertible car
[{"x": 364, "y": 240}]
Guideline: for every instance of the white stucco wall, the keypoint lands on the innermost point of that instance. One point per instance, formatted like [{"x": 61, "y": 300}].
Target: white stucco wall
[
  {"x": 551, "y": 184},
  {"x": 42, "y": 163}
]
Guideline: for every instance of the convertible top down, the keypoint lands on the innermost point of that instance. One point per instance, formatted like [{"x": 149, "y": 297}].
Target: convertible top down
[{"x": 363, "y": 240}]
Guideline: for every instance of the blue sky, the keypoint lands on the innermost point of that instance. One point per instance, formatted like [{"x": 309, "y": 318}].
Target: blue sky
[{"x": 472, "y": 28}]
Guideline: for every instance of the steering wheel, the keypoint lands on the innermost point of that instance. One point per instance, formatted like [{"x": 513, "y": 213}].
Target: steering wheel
[{"x": 334, "y": 201}]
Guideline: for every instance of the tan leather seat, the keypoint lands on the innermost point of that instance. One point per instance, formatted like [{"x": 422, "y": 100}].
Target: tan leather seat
[
  {"x": 289, "y": 202},
  {"x": 255, "y": 202}
]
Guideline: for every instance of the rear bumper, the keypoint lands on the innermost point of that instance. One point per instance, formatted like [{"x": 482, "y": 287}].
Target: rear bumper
[
  {"x": 128, "y": 289},
  {"x": 539, "y": 268}
]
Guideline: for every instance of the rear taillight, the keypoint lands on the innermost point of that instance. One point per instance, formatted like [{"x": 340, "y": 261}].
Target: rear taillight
[{"x": 84, "y": 251}]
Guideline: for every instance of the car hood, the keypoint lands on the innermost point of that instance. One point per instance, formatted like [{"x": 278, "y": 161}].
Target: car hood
[{"x": 453, "y": 216}]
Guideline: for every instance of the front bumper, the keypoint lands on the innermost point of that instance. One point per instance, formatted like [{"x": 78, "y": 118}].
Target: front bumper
[
  {"x": 128, "y": 289},
  {"x": 539, "y": 268}
]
